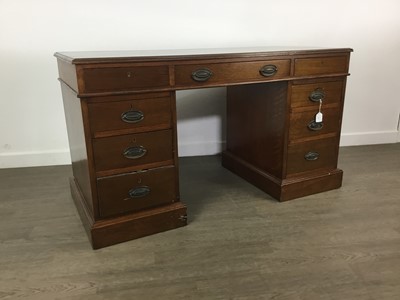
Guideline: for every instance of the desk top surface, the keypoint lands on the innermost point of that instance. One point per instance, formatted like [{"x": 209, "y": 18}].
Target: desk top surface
[{"x": 83, "y": 57}]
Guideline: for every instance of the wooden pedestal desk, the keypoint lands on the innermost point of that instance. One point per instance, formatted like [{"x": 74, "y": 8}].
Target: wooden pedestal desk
[{"x": 121, "y": 118}]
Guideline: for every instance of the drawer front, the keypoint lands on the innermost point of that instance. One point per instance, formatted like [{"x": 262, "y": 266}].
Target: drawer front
[
  {"x": 136, "y": 191},
  {"x": 134, "y": 115},
  {"x": 303, "y": 125},
  {"x": 225, "y": 73},
  {"x": 321, "y": 65},
  {"x": 132, "y": 150},
  {"x": 124, "y": 78},
  {"x": 304, "y": 94},
  {"x": 309, "y": 156}
]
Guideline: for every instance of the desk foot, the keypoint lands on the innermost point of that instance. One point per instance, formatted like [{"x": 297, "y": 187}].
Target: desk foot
[{"x": 283, "y": 189}]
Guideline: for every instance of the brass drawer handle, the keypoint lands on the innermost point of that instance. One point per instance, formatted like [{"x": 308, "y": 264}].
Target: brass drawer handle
[
  {"x": 315, "y": 126},
  {"x": 317, "y": 95},
  {"x": 268, "y": 70},
  {"x": 310, "y": 156},
  {"x": 132, "y": 116},
  {"x": 135, "y": 152},
  {"x": 202, "y": 75},
  {"x": 140, "y": 191}
]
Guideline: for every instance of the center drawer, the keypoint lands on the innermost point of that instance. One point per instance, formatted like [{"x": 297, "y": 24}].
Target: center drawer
[
  {"x": 136, "y": 191},
  {"x": 132, "y": 150},
  {"x": 225, "y": 73}
]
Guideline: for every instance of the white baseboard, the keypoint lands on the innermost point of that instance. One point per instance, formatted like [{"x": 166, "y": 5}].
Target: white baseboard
[
  {"x": 369, "y": 138},
  {"x": 347, "y": 139},
  {"x": 34, "y": 159},
  {"x": 62, "y": 157}
]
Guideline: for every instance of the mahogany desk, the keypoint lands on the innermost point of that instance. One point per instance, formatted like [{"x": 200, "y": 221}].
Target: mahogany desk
[{"x": 121, "y": 119}]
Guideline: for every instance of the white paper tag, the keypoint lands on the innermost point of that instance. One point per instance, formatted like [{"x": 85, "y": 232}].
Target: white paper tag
[{"x": 319, "y": 117}]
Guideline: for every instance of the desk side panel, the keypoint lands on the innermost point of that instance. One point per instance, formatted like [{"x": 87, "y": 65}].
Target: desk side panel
[
  {"x": 67, "y": 73},
  {"x": 77, "y": 144},
  {"x": 256, "y": 122}
]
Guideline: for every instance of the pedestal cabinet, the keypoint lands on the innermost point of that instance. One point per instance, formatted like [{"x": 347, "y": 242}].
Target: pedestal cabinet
[{"x": 284, "y": 112}]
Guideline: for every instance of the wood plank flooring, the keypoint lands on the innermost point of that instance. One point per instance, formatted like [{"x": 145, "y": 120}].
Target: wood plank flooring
[{"x": 239, "y": 244}]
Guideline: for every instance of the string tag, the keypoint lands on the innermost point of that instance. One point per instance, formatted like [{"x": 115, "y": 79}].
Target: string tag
[{"x": 319, "y": 116}]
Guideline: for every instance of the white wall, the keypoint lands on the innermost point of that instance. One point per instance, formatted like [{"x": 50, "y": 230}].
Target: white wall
[{"x": 32, "y": 125}]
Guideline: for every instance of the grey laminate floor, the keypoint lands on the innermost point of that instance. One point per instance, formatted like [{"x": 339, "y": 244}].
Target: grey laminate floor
[{"x": 239, "y": 244}]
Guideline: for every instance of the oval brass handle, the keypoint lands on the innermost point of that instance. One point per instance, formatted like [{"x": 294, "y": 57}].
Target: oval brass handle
[
  {"x": 311, "y": 156},
  {"x": 268, "y": 70},
  {"x": 315, "y": 126},
  {"x": 202, "y": 75},
  {"x": 135, "y": 152},
  {"x": 317, "y": 95},
  {"x": 139, "y": 191},
  {"x": 132, "y": 116}
]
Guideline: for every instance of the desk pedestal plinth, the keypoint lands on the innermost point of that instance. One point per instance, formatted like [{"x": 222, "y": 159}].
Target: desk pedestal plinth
[
  {"x": 107, "y": 232},
  {"x": 283, "y": 189}
]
